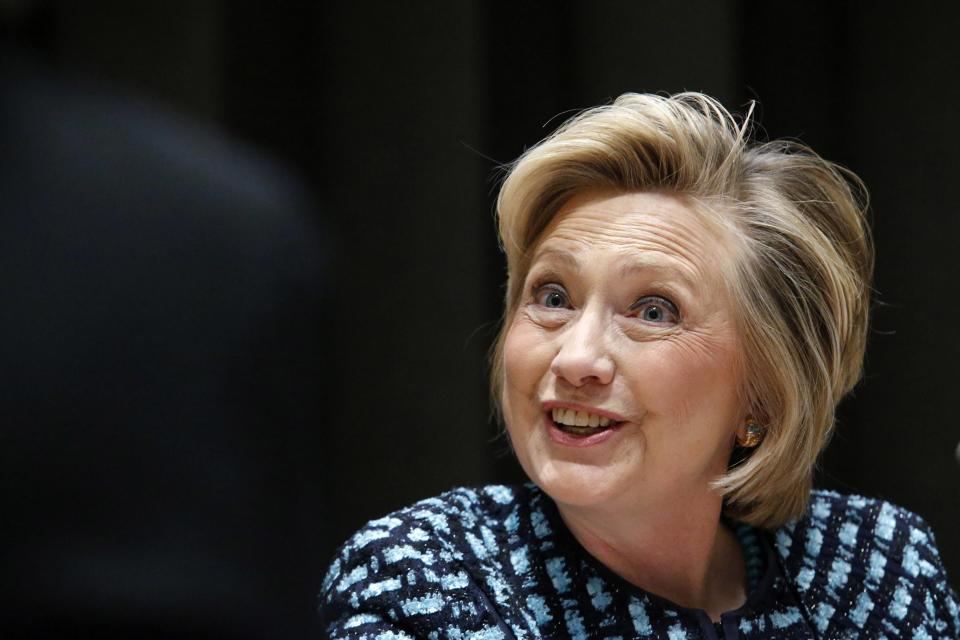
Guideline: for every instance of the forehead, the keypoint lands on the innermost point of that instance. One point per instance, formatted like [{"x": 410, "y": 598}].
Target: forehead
[{"x": 641, "y": 230}]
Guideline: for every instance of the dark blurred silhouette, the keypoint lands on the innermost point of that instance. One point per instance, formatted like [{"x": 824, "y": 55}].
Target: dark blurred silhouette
[{"x": 163, "y": 334}]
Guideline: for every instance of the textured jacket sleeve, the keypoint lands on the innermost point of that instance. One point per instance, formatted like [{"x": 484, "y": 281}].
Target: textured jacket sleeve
[
  {"x": 399, "y": 577},
  {"x": 868, "y": 568},
  {"x": 940, "y": 601}
]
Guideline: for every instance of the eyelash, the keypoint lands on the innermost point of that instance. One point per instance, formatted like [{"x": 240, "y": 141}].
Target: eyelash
[
  {"x": 540, "y": 290},
  {"x": 660, "y": 302}
]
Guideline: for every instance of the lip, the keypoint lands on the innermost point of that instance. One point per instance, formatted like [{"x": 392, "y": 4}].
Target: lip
[
  {"x": 568, "y": 440},
  {"x": 557, "y": 404}
]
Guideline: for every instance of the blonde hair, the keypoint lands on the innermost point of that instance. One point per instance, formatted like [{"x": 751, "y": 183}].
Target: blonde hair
[{"x": 801, "y": 275}]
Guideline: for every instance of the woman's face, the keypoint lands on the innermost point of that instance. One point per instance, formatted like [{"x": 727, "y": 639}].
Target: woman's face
[{"x": 622, "y": 366}]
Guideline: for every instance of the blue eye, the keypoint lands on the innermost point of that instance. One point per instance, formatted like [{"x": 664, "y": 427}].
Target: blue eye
[
  {"x": 656, "y": 310},
  {"x": 552, "y": 298}
]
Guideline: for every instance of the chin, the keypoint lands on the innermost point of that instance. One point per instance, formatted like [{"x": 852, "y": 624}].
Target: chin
[{"x": 576, "y": 484}]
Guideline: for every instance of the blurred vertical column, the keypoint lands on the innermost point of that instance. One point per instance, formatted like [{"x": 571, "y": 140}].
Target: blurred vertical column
[
  {"x": 173, "y": 52},
  {"x": 396, "y": 128}
]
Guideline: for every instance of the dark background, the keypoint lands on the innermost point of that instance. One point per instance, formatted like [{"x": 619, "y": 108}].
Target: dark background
[{"x": 397, "y": 116}]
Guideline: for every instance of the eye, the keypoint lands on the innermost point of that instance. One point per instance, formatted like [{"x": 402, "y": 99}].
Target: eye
[
  {"x": 656, "y": 310},
  {"x": 551, "y": 297}
]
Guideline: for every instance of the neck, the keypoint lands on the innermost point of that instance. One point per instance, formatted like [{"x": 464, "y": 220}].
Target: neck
[{"x": 677, "y": 550}]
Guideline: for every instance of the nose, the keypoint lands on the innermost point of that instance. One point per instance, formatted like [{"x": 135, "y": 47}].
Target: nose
[{"x": 583, "y": 356}]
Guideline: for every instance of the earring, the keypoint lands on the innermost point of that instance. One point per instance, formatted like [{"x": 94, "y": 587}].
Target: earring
[{"x": 753, "y": 435}]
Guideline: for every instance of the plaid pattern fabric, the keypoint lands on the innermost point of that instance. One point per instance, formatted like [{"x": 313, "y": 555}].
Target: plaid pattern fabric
[
  {"x": 497, "y": 562},
  {"x": 865, "y": 568}
]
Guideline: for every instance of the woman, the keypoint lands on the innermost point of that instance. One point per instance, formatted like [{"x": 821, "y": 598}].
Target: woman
[{"x": 684, "y": 311}]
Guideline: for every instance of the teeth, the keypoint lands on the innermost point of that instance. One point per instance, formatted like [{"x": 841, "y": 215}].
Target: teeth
[{"x": 573, "y": 418}]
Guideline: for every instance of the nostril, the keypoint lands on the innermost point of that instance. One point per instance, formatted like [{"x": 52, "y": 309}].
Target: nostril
[{"x": 582, "y": 369}]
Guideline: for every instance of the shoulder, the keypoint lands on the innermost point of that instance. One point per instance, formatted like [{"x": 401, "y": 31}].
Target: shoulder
[
  {"x": 835, "y": 520},
  {"x": 863, "y": 563},
  {"x": 439, "y": 523},
  {"x": 423, "y": 567}
]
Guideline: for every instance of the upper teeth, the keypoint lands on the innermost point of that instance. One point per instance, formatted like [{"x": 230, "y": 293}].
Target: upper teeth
[{"x": 574, "y": 418}]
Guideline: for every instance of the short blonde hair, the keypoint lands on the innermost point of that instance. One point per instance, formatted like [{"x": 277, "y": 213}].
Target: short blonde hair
[{"x": 801, "y": 275}]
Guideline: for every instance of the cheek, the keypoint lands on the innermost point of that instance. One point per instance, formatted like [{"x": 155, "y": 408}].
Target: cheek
[
  {"x": 526, "y": 360},
  {"x": 523, "y": 357},
  {"x": 693, "y": 375}
]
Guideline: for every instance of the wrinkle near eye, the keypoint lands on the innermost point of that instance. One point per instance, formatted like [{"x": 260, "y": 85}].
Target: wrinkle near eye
[{"x": 713, "y": 347}]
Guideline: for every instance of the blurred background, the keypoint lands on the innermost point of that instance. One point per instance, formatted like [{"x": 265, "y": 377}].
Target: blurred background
[{"x": 385, "y": 124}]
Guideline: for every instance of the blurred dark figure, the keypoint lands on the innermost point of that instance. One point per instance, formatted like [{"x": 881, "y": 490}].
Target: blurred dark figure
[{"x": 162, "y": 370}]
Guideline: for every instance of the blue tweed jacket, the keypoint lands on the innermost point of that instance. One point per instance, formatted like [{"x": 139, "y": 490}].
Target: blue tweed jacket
[{"x": 498, "y": 562}]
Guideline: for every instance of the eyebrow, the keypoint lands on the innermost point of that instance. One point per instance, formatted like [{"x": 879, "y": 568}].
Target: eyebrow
[
  {"x": 568, "y": 258},
  {"x": 637, "y": 264},
  {"x": 641, "y": 266}
]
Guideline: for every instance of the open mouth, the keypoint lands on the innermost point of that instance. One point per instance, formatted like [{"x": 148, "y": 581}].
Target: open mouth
[{"x": 580, "y": 424}]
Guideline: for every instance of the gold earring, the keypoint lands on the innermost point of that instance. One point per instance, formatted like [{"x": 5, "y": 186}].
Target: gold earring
[{"x": 752, "y": 436}]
